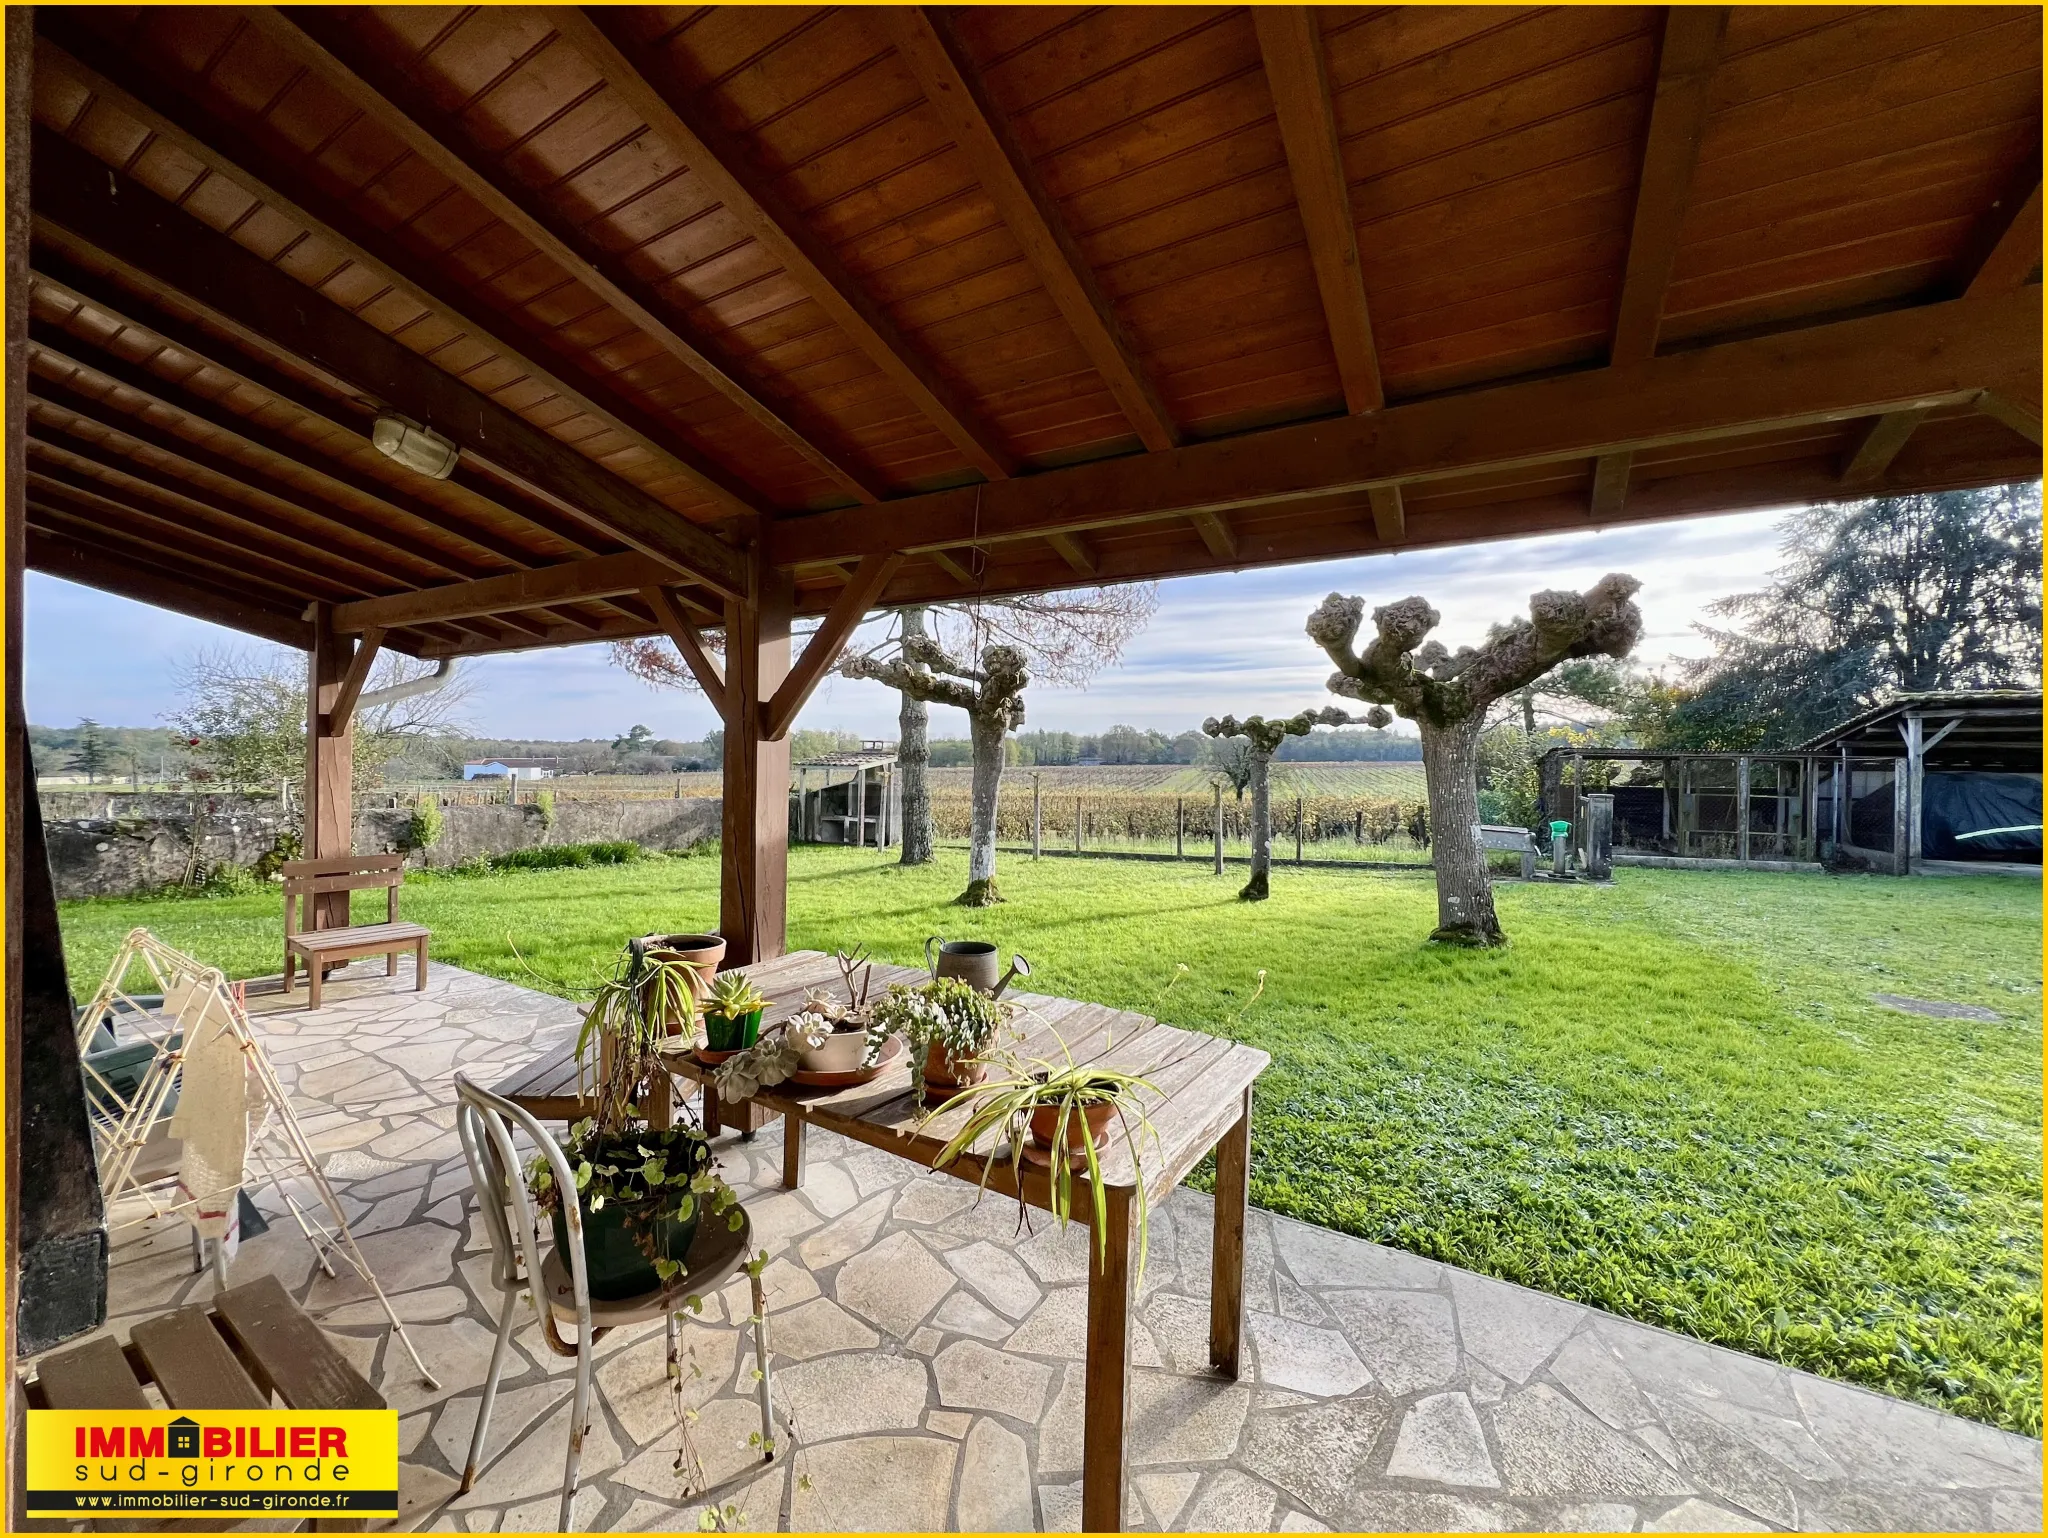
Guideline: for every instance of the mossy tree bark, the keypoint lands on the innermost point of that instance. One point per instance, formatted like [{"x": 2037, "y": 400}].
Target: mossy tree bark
[
  {"x": 914, "y": 758},
  {"x": 1446, "y": 694},
  {"x": 992, "y": 694},
  {"x": 1258, "y": 739}
]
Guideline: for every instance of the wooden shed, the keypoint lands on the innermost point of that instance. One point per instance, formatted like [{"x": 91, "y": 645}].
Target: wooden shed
[{"x": 848, "y": 798}]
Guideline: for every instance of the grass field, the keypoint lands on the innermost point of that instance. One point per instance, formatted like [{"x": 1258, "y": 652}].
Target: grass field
[{"x": 1674, "y": 1098}]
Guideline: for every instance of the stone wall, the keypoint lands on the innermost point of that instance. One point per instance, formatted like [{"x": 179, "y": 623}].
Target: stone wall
[{"x": 107, "y": 846}]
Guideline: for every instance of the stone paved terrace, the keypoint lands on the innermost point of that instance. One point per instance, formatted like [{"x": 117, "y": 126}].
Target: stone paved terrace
[{"x": 929, "y": 1353}]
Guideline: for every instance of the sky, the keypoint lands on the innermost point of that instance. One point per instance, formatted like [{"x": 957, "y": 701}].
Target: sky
[{"x": 1230, "y": 643}]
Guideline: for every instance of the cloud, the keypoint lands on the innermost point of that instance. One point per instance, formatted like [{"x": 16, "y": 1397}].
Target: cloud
[{"x": 1226, "y": 642}]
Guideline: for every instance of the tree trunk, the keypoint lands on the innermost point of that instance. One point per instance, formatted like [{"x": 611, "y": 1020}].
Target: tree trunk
[
  {"x": 913, "y": 758},
  {"x": 986, "y": 730},
  {"x": 1464, "y": 896},
  {"x": 1256, "y": 889}
]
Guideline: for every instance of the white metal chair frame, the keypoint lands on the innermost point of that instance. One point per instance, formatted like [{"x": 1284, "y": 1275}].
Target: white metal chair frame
[{"x": 485, "y": 1122}]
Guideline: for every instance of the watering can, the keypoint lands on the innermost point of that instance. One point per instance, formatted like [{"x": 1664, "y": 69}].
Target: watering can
[{"x": 974, "y": 962}]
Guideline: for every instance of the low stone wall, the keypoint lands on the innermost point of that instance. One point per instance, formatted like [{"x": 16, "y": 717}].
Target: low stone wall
[{"x": 150, "y": 844}]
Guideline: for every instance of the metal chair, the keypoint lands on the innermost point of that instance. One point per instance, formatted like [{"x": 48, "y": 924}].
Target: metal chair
[{"x": 486, "y": 1122}]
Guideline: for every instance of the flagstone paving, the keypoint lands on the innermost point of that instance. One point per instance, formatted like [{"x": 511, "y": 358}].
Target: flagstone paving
[{"x": 927, "y": 1352}]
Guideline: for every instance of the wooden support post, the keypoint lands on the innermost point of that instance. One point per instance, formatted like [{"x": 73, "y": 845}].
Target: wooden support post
[
  {"x": 1179, "y": 820},
  {"x": 1902, "y": 773},
  {"x": 1742, "y": 810},
  {"x": 1037, "y": 817},
  {"x": 1297, "y": 830},
  {"x": 1219, "y": 829},
  {"x": 330, "y": 750},
  {"x": 754, "y": 839},
  {"x": 1226, "y": 1250},
  {"x": 1841, "y": 809},
  {"x": 792, "y": 1150},
  {"x": 1106, "y": 1392},
  {"x": 1916, "y": 762},
  {"x": 860, "y": 807},
  {"x": 1077, "y": 824}
]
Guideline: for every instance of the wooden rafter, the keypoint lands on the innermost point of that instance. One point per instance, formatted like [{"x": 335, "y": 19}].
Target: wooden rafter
[
  {"x": 394, "y": 102},
  {"x": 1678, "y": 120},
  {"x": 1610, "y": 485},
  {"x": 163, "y": 583},
  {"x": 342, "y": 712},
  {"x": 1291, "y": 43},
  {"x": 951, "y": 567},
  {"x": 1216, "y": 534},
  {"x": 822, "y": 651},
  {"x": 1077, "y": 552},
  {"x": 948, "y": 79},
  {"x": 1389, "y": 514},
  {"x": 670, "y": 618},
  {"x": 1931, "y": 355},
  {"x": 600, "y": 577},
  {"x": 679, "y": 114},
  {"x": 159, "y": 104},
  {"x": 160, "y": 246},
  {"x": 1880, "y": 445},
  {"x": 2014, "y": 253}
]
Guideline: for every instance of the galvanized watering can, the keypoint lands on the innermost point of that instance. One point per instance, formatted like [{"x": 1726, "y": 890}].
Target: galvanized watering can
[{"x": 975, "y": 963}]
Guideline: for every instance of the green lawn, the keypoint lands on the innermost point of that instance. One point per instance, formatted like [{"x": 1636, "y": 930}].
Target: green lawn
[{"x": 1674, "y": 1098}]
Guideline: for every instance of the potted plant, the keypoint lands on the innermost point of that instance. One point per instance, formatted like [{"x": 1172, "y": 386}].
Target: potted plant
[
  {"x": 948, "y": 1024},
  {"x": 1064, "y": 1110},
  {"x": 702, "y": 953},
  {"x": 826, "y": 1036},
  {"x": 732, "y": 1014},
  {"x": 642, "y": 1190}
]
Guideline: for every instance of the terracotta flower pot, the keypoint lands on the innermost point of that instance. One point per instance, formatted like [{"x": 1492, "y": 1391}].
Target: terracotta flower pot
[
  {"x": 703, "y": 953},
  {"x": 944, "y": 1076},
  {"x": 1045, "y": 1121}
]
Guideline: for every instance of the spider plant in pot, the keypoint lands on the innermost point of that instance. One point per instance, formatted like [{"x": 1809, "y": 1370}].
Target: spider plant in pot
[
  {"x": 949, "y": 1026},
  {"x": 1066, "y": 1111},
  {"x": 732, "y": 1014},
  {"x": 642, "y": 1190}
]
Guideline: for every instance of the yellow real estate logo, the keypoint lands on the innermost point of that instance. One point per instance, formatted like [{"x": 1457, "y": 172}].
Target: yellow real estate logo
[{"x": 212, "y": 1463}]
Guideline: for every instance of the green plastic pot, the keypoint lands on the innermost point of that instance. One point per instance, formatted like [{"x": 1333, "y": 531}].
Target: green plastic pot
[
  {"x": 618, "y": 1267},
  {"x": 732, "y": 1033}
]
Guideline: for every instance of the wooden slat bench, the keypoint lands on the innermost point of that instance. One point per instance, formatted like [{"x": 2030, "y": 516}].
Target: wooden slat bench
[{"x": 307, "y": 885}]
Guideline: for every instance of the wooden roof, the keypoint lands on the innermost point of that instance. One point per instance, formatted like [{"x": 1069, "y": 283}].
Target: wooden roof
[{"x": 1019, "y": 295}]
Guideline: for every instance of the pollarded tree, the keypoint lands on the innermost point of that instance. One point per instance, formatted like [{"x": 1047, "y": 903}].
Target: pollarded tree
[
  {"x": 1261, "y": 738},
  {"x": 993, "y": 697},
  {"x": 1446, "y": 695}
]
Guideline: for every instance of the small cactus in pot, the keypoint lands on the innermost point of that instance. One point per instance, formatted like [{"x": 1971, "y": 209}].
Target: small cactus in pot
[{"x": 732, "y": 1013}]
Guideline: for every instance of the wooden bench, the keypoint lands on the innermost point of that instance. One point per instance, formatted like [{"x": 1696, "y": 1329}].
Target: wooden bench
[
  {"x": 254, "y": 1344},
  {"x": 307, "y": 888}
]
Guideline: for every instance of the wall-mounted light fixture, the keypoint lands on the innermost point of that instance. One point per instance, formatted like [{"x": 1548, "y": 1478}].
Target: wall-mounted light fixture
[{"x": 416, "y": 447}]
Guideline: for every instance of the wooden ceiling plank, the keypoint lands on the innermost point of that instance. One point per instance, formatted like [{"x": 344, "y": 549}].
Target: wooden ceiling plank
[
  {"x": 77, "y": 286},
  {"x": 1931, "y": 355},
  {"x": 321, "y": 39},
  {"x": 1610, "y": 485},
  {"x": 161, "y": 106},
  {"x": 822, "y": 651},
  {"x": 689, "y": 641},
  {"x": 1291, "y": 43},
  {"x": 1389, "y": 514},
  {"x": 1077, "y": 552},
  {"x": 161, "y": 246},
  {"x": 1678, "y": 118},
  {"x": 680, "y": 115},
  {"x": 1216, "y": 534},
  {"x": 1880, "y": 445},
  {"x": 932, "y": 50},
  {"x": 58, "y": 556}
]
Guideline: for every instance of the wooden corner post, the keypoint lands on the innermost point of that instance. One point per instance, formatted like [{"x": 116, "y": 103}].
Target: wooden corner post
[
  {"x": 330, "y": 750},
  {"x": 754, "y": 843}
]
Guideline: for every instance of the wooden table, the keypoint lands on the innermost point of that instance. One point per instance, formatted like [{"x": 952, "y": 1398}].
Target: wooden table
[{"x": 1202, "y": 1100}]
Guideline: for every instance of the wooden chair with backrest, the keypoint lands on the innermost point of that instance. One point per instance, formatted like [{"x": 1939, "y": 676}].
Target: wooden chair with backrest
[{"x": 306, "y": 882}]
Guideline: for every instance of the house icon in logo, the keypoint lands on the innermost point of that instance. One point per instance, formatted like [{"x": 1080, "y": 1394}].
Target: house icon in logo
[{"x": 184, "y": 1437}]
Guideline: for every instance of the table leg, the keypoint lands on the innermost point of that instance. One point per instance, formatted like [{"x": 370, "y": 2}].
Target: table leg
[
  {"x": 1106, "y": 1396},
  {"x": 1226, "y": 1254},
  {"x": 793, "y": 1128},
  {"x": 660, "y": 1100},
  {"x": 712, "y": 1125}
]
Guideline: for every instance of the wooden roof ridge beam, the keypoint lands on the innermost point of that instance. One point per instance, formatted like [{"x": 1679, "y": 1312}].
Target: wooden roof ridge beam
[
  {"x": 1389, "y": 514},
  {"x": 1291, "y": 43},
  {"x": 161, "y": 106},
  {"x": 1077, "y": 552},
  {"x": 823, "y": 649},
  {"x": 676, "y": 113},
  {"x": 689, "y": 641},
  {"x": 164, "y": 586},
  {"x": 1928, "y": 355},
  {"x": 602, "y": 576},
  {"x": 1690, "y": 50},
  {"x": 932, "y": 50},
  {"x": 1610, "y": 485},
  {"x": 59, "y": 275},
  {"x": 389, "y": 99},
  {"x": 160, "y": 245}
]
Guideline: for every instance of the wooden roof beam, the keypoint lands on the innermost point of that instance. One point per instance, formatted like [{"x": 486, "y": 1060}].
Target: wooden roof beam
[
  {"x": 823, "y": 649},
  {"x": 689, "y": 641},
  {"x": 321, "y": 39},
  {"x": 1610, "y": 485},
  {"x": 1930, "y": 355},
  {"x": 600, "y": 577},
  {"x": 933, "y": 52},
  {"x": 166, "y": 587},
  {"x": 1389, "y": 514},
  {"x": 1678, "y": 120},
  {"x": 2011, "y": 240},
  {"x": 1077, "y": 552},
  {"x": 160, "y": 246},
  {"x": 1291, "y": 43},
  {"x": 1880, "y": 445},
  {"x": 678, "y": 113},
  {"x": 1216, "y": 534},
  {"x": 158, "y": 103}
]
